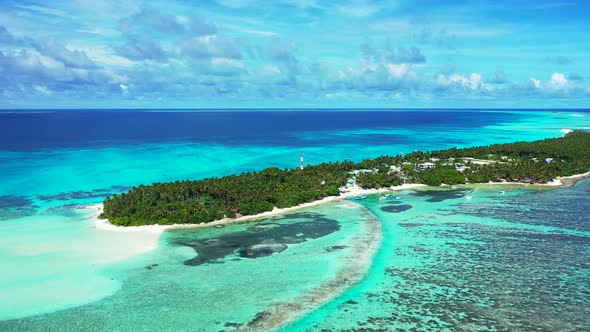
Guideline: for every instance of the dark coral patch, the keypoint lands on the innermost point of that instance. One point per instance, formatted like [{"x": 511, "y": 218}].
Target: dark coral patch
[
  {"x": 16, "y": 207},
  {"x": 257, "y": 241},
  {"x": 435, "y": 196},
  {"x": 396, "y": 208}
]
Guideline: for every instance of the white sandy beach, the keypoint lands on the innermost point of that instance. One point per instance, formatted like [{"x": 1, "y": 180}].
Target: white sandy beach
[
  {"x": 134, "y": 240},
  {"x": 105, "y": 225},
  {"x": 156, "y": 230}
]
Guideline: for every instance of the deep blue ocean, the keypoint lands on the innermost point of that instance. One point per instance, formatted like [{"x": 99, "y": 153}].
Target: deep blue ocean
[{"x": 46, "y": 130}]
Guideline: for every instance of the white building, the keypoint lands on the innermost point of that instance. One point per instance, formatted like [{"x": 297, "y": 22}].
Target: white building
[
  {"x": 395, "y": 169},
  {"x": 424, "y": 166}
]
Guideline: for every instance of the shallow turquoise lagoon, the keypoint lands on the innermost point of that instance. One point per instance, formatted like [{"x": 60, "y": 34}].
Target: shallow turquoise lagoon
[{"x": 254, "y": 275}]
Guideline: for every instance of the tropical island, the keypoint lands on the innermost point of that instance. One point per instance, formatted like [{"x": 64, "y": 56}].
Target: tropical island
[{"x": 253, "y": 193}]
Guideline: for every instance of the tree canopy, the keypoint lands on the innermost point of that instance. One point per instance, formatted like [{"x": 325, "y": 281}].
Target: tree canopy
[{"x": 203, "y": 201}]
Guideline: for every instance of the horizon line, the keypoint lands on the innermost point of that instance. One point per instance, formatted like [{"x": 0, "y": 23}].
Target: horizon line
[{"x": 304, "y": 109}]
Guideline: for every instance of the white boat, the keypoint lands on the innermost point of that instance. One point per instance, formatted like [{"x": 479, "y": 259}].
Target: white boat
[
  {"x": 502, "y": 192},
  {"x": 382, "y": 198},
  {"x": 468, "y": 197},
  {"x": 397, "y": 197}
]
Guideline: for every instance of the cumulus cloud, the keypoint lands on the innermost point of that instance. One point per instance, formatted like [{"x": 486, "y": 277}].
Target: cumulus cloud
[
  {"x": 159, "y": 55},
  {"x": 558, "y": 81},
  {"x": 472, "y": 81},
  {"x": 58, "y": 51},
  {"x": 28, "y": 70},
  {"x": 141, "y": 48},
  {"x": 51, "y": 47},
  {"x": 535, "y": 83}
]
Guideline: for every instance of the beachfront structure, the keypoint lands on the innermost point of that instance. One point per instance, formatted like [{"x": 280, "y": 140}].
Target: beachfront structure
[
  {"x": 425, "y": 166},
  {"x": 460, "y": 167},
  {"x": 362, "y": 171},
  {"x": 395, "y": 169}
]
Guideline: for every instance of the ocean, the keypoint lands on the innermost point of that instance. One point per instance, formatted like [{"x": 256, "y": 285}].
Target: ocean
[{"x": 513, "y": 262}]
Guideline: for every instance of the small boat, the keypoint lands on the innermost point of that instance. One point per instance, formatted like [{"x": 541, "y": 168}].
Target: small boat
[
  {"x": 398, "y": 197},
  {"x": 502, "y": 192},
  {"x": 361, "y": 197},
  {"x": 468, "y": 197},
  {"x": 386, "y": 195},
  {"x": 382, "y": 198}
]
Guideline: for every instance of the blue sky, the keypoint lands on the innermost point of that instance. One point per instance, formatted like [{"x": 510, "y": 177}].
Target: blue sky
[{"x": 294, "y": 53}]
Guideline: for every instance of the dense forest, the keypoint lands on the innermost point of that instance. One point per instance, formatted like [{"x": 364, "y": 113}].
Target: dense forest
[{"x": 202, "y": 201}]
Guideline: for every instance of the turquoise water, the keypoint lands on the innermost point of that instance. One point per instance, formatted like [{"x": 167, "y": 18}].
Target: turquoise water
[
  {"x": 60, "y": 273},
  {"x": 246, "y": 269},
  {"x": 452, "y": 264}
]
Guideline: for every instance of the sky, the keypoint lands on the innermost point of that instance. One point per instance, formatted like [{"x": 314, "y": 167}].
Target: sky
[{"x": 294, "y": 54}]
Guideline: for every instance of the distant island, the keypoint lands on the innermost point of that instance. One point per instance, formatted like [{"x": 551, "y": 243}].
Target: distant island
[{"x": 252, "y": 193}]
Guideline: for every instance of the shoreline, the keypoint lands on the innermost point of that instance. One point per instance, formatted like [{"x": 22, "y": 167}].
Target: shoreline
[
  {"x": 556, "y": 183},
  {"x": 104, "y": 224}
]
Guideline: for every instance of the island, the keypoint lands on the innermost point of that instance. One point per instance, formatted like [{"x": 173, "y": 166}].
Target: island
[{"x": 253, "y": 193}]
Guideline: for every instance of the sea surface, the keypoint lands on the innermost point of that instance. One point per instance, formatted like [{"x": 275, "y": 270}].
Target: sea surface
[{"x": 518, "y": 261}]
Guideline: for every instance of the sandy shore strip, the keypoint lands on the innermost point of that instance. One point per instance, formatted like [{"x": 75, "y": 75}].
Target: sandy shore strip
[
  {"x": 560, "y": 181},
  {"x": 104, "y": 224}
]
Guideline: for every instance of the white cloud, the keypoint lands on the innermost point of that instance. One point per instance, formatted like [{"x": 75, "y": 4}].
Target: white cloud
[
  {"x": 398, "y": 71},
  {"x": 535, "y": 82},
  {"x": 558, "y": 81},
  {"x": 473, "y": 81}
]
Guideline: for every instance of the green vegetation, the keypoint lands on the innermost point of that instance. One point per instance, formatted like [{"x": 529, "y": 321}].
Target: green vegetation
[{"x": 211, "y": 199}]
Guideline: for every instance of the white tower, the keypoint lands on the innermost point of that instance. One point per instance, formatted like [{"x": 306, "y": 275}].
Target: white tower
[{"x": 302, "y": 165}]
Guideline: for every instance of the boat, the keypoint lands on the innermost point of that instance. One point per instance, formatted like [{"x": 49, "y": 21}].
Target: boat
[
  {"x": 382, "y": 198},
  {"x": 468, "y": 197},
  {"x": 502, "y": 192},
  {"x": 360, "y": 197}
]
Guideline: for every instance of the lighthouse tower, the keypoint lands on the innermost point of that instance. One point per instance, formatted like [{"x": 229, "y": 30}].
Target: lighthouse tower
[{"x": 302, "y": 165}]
